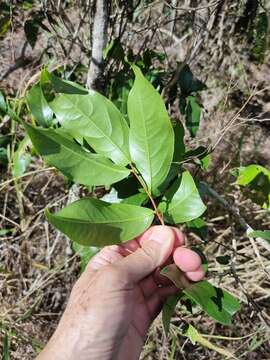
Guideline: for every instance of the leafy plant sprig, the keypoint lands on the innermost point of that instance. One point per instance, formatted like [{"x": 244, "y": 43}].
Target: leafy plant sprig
[{"x": 85, "y": 136}]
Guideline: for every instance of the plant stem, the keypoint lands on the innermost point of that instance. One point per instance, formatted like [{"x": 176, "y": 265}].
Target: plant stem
[{"x": 141, "y": 181}]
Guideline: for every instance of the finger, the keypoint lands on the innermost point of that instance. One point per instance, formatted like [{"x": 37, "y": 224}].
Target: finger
[
  {"x": 195, "y": 275},
  {"x": 186, "y": 259},
  {"x": 179, "y": 237},
  {"x": 154, "y": 251},
  {"x": 108, "y": 255}
]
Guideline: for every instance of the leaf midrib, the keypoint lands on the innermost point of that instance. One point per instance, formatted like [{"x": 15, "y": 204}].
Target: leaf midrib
[
  {"x": 106, "y": 136},
  {"x": 81, "y": 221}
]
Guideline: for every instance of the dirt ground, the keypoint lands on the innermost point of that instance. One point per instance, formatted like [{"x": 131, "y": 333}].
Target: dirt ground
[{"x": 38, "y": 266}]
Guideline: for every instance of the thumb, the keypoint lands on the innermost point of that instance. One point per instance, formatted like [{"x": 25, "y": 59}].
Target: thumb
[{"x": 153, "y": 252}]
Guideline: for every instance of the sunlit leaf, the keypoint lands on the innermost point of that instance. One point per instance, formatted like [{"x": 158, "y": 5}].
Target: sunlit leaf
[
  {"x": 21, "y": 158},
  {"x": 151, "y": 132},
  {"x": 264, "y": 234},
  {"x": 216, "y": 302},
  {"x": 81, "y": 166},
  {"x": 182, "y": 202},
  {"x": 93, "y": 222},
  {"x": 97, "y": 120}
]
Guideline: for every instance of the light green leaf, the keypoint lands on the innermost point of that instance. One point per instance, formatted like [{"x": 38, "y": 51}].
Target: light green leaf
[
  {"x": 168, "y": 311},
  {"x": 81, "y": 166},
  {"x": 151, "y": 132},
  {"x": 21, "y": 159},
  {"x": 249, "y": 173},
  {"x": 199, "y": 227},
  {"x": 216, "y": 302},
  {"x": 182, "y": 202},
  {"x": 195, "y": 337},
  {"x": 193, "y": 115},
  {"x": 39, "y": 106},
  {"x": 85, "y": 253},
  {"x": 93, "y": 222},
  {"x": 264, "y": 234},
  {"x": 97, "y": 120}
]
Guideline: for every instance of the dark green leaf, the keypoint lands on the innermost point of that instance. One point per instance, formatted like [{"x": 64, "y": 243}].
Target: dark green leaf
[
  {"x": 151, "y": 132},
  {"x": 217, "y": 303},
  {"x": 5, "y": 140},
  {"x": 127, "y": 187},
  {"x": 193, "y": 115},
  {"x": 3, "y": 156},
  {"x": 137, "y": 199},
  {"x": 96, "y": 119},
  {"x": 188, "y": 83},
  {"x": 31, "y": 28},
  {"x": 198, "y": 227},
  {"x": 93, "y": 222},
  {"x": 81, "y": 166},
  {"x": 6, "y": 347},
  {"x": 61, "y": 85},
  {"x": 223, "y": 260},
  {"x": 168, "y": 311},
  {"x": 39, "y": 107},
  {"x": 182, "y": 202}
]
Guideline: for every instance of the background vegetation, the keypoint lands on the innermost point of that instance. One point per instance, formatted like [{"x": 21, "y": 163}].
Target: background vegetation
[{"x": 222, "y": 43}]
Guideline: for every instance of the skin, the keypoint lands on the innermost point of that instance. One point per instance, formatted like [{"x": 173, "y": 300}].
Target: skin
[{"x": 114, "y": 302}]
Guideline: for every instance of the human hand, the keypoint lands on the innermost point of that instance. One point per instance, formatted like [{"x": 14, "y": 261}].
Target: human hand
[{"x": 118, "y": 296}]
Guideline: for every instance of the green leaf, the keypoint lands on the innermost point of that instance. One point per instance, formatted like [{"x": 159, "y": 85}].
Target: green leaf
[
  {"x": 168, "y": 311},
  {"x": 5, "y": 351},
  {"x": 93, "y": 222},
  {"x": 81, "y": 166},
  {"x": 137, "y": 199},
  {"x": 264, "y": 234},
  {"x": 173, "y": 273},
  {"x": 3, "y": 105},
  {"x": 85, "y": 253},
  {"x": 217, "y": 303},
  {"x": 182, "y": 202},
  {"x": 96, "y": 119},
  {"x": 31, "y": 28},
  {"x": 21, "y": 159},
  {"x": 188, "y": 83},
  {"x": 193, "y": 115},
  {"x": 61, "y": 85},
  {"x": 248, "y": 173},
  {"x": 151, "y": 132},
  {"x": 223, "y": 260},
  {"x": 198, "y": 227},
  {"x": 39, "y": 107},
  {"x": 4, "y": 25}
]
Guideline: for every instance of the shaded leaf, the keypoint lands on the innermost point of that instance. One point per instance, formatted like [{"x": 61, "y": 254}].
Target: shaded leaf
[
  {"x": 216, "y": 302},
  {"x": 188, "y": 83},
  {"x": 96, "y": 119},
  {"x": 39, "y": 107},
  {"x": 4, "y": 25},
  {"x": 168, "y": 311},
  {"x": 93, "y": 222},
  {"x": 173, "y": 273},
  {"x": 3, "y": 105},
  {"x": 182, "y": 202},
  {"x": 61, "y": 85},
  {"x": 21, "y": 158},
  {"x": 151, "y": 132},
  {"x": 223, "y": 260},
  {"x": 198, "y": 227},
  {"x": 31, "y": 28},
  {"x": 85, "y": 253},
  {"x": 193, "y": 115},
  {"x": 81, "y": 166},
  {"x": 137, "y": 199}
]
